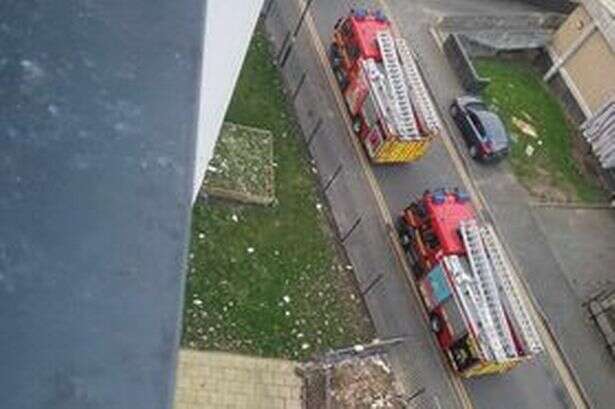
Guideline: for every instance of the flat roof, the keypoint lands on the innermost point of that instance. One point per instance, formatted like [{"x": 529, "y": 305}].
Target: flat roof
[
  {"x": 602, "y": 11},
  {"x": 99, "y": 105}
]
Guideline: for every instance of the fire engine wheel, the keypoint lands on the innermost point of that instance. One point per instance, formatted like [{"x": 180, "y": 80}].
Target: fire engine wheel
[
  {"x": 341, "y": 78},
  {"x": 356, "y": 124},
  {"x": 334, "y": 55},
  {"x": 435, "y": 323},
  {"x": 405, "y": 240}
]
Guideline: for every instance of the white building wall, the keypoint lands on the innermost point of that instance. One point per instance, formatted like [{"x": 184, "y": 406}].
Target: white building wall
[{"x": 228, "y": 28}]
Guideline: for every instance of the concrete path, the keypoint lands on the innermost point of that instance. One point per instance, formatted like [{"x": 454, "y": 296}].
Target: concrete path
[
  {"x": 217, "y": 380},
  {"x": 583, "y": 241}
]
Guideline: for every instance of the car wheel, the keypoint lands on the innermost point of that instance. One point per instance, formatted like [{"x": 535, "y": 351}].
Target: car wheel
[
  {"x": 473, "y": 152},
  {"x": 454, "y": 110}
]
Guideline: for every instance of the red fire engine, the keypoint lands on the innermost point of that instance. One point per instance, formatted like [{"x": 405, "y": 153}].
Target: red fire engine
[
  {"x": 391, "y": 110},
  {"x": 467, "y": 285}
]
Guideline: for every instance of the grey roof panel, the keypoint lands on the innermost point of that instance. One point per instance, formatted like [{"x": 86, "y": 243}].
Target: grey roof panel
[{"x": 96, "y": 158}]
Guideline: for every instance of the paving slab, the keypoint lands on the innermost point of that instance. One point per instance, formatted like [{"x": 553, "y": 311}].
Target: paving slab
[{"x": 219, "y": 380}]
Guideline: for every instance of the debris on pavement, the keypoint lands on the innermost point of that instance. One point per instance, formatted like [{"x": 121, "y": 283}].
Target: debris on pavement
[{"x": 353, "y": 379}]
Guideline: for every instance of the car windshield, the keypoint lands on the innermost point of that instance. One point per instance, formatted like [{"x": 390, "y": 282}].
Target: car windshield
[{"x": 476, "y": 106}]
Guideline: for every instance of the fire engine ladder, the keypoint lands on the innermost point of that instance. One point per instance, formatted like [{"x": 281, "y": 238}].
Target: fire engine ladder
[
  {"x": 465, "y": 285},
  {"x": 379, "y": 89},
  {"x": 489, "y": 304},
  {"x": 510, "y": 289},
  {"x": 404, "y": 118},
  {"x": 418, "y": 90}
]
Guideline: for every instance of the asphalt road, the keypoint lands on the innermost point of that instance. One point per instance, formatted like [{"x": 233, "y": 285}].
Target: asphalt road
[{"x": 535, "y": 385}]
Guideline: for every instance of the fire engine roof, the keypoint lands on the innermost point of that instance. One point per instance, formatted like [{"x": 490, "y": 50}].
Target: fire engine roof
[
  {"x": 365, "y": 29},
  {"x": 447, "y": 210}
]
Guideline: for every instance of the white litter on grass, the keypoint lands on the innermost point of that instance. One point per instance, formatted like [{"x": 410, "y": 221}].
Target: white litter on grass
[
  {"x": 250, "y": 250},
  {"x": 287, "y": 313},
  {"x": 348, "y": 267},
  {"x": 529, "y": 150},
  {"x": 540, "y": 142},
  {"x": 197, "y": 302},
  {"x": 235, "y": 218},
  {"x": 524, "y": 127},
  {"x": 318, "y": 206},
  {"x": 201, "y": 236},
  {"x": 305, "y": 346},
  {"x": 300, "y": 335},
  {"x": 212, "y": 169},
  {"x": 286, "y": 299},
  {"x": 358, "y": 348}
]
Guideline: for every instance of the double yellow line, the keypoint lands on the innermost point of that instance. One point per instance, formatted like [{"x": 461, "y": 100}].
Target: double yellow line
[{"x": 576, "y": 394}]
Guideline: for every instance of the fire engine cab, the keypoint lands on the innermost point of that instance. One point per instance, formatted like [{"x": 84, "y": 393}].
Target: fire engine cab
[
  {"x": 467, "y": 285},
  {"x": 390, "y": 107}
]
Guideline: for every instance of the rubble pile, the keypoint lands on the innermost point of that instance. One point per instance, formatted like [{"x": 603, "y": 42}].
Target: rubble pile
[{"x": 351, "y": 383}]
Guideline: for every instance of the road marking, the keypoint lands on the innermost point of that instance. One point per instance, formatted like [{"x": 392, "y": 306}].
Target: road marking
[
  {"x": 575, "y": 390},
  {"x": 455, "y": 381}
]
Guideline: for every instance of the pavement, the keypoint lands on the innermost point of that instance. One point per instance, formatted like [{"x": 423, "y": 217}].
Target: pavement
[
  {"x": 392, "y": 302},
  {"x": 217, "y": 380},
  {"x": 583, "y": 242}
]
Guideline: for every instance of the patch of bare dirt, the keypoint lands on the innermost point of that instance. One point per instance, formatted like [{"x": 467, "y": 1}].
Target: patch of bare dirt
[
  {"x": 545, "y": 189},
  {"x": 352, "y": 383},
  {"x": 364, "y": 384}
]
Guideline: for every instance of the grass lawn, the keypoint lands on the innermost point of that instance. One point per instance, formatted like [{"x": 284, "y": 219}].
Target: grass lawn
[
  {"x": 519, "y": 95},
  {"x": 267, "y": 280}
]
